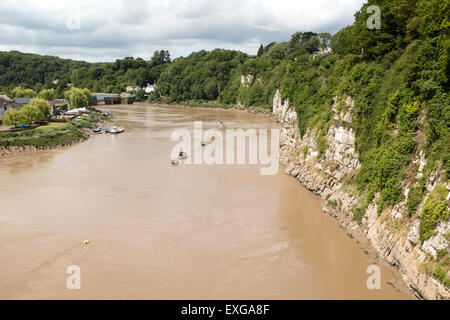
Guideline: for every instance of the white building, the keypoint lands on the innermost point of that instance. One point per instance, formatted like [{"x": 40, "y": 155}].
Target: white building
[
  {"x": 131, "y": 88},
  {"x": 150, "y": 88}
]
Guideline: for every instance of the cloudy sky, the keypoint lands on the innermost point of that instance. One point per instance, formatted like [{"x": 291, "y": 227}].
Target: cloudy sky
[{"x": 104, "y": 30}]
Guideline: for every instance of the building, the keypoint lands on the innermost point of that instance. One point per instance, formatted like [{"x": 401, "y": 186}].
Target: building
[
  {"x": 6, "y": 104},
  {"x": 107, "y": 98},
  {"x": 131, "y": 88},
  {"x": 22, "y": 101},
  {"x": 150, "y": 88},
  {"x": 59, "y": 103},
  {"x": 323, "y": 51}
]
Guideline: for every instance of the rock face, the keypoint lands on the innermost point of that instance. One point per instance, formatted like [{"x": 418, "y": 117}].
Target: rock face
[
  {"x": 324, "y": 175},
  {"x": 246, "y": 80}
]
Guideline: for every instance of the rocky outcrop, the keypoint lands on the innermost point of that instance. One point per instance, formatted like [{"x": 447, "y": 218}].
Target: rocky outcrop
[
  {"x": 323, "y": 175},
  {"x": 246, "y": 80}
]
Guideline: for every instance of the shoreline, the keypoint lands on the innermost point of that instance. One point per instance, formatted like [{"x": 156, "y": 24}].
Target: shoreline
[
  {"x": 13, "y": 150},
  {"x": 252, "y": 110},
  {"x": 85, "y": 135}
]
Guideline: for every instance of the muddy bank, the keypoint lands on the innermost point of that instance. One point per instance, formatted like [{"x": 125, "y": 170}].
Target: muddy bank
[
  {"x": 7, "y": 151},
  {"x": 252, "y": 110},
  {"x": 68, "y": 139}
]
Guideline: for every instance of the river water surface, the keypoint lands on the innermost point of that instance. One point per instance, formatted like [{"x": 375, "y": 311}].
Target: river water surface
[{"x": 163, "y": 232}]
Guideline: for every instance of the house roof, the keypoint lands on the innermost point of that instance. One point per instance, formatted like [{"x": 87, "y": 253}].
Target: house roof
[
  {"x": 56, "y": 102},
  {"x": 22, "y": 100},
  {"x": 5, "y": 98}
]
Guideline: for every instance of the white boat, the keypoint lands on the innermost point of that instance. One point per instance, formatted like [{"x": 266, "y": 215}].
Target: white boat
[
  {"x": 182, "y": 155},
  {"x": 115, "y": 129}
]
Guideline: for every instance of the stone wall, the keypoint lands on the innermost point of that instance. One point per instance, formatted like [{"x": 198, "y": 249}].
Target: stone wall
[{"x": 400, "y": 248}]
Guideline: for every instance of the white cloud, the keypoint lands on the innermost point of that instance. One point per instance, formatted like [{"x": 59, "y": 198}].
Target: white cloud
[{"x": 113, "y": 29}]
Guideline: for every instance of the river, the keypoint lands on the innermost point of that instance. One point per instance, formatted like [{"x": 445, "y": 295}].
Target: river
[{"x": 157, "y": 231}]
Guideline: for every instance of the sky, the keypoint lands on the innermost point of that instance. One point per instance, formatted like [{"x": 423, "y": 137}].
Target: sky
[{"x": 105, "y": 30}]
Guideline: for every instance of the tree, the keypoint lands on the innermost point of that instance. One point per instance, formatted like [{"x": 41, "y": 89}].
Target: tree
[
  {"x": 88, "y": 96},
  {"x": 31, "y": 113},
  {"x": 43, "y": 108},
  {"x": 19, "y": 92},
  {"x": 36, "y": 111},
  {"x": 47, "y": 94},
  {"x": 76, "y": 97},
  {"x": 210, "y": 88},
  {"x": 13, "y": 117},
  {"x": 140, "y": 95},
  {"x": 97, "y": 73},
  {"x": 324, "y": 39},
  {"x": 260, "y": 51}
]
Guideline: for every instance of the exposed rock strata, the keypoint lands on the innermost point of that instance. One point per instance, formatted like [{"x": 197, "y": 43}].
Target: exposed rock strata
[{"x": 401, "y": 248}]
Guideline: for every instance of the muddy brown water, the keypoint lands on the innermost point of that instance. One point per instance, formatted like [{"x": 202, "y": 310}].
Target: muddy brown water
[{"x": 163, "y": 232}]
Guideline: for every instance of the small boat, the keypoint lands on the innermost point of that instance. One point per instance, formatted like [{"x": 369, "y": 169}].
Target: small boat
[
  {"x": 182, "y": 155},
  {"x": 97, "y": 130},
  {"x": 115, "y": 129}
]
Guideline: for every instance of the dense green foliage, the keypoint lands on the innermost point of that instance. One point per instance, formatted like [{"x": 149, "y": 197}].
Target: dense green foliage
[
  {"x": 435, "y": 210},
  {"x": 36, "y": 111},
  {"x": 47, "y": 94},
  {"x": 203, "y": 76},
  {"x": 19, "y": 92},
  {"x": 78, "y": 98},
  {"x": 31, "y": 71}
]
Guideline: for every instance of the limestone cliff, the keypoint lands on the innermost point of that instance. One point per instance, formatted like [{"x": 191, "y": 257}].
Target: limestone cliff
[{"x": 394, "y": 238}]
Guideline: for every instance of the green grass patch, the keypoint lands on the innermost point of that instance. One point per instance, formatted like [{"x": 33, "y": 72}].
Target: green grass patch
[
  {"x": 51, "y": 135},
  {"x": 434, "y": 211},
  {"x": 439, "y": 267}
]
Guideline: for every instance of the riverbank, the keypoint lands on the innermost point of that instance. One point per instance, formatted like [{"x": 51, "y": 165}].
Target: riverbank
[
  {"x": 198, "y": 105},
  {"x": 50, "y": 136}
]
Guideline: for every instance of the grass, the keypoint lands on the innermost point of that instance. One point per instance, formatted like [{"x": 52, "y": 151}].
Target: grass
[
  {"x": 439, "y": 267},
  {"x": 51, "y": 135},
  {"x": 434, "y": 211},
  {"x": 50, "y": 125},
  {"x": 214, "y": 104}
]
